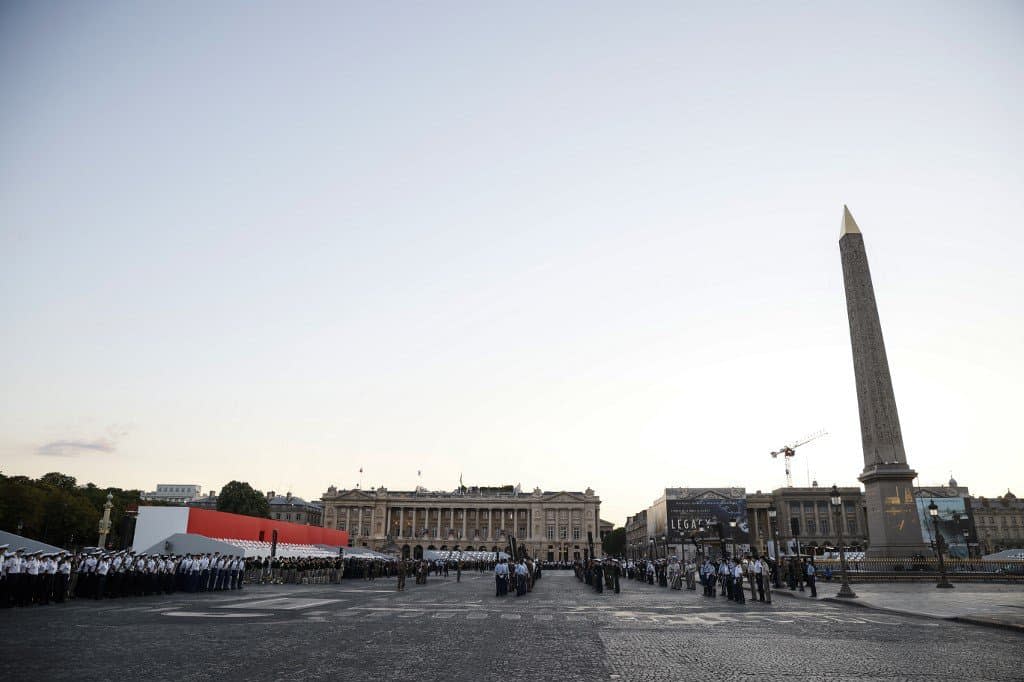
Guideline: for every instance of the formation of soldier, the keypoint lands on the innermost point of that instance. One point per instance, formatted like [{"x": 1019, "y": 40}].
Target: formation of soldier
[
  {"x": 516, "y": 575},
  {"x": 727, "y": 576},
  {"x": 601, "y": 574},
  {"x": 28, "y": 578}
]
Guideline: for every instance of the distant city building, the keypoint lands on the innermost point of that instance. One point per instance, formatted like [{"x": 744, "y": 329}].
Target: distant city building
[
  {"x": 812, "y": 508},
  {"x": 606, "y": 527},
  {"x": 179, "y": 493},
  {"x": 551, "y": 525},
  {"x": 209, "y": 501},
  {"x": 667, "y": 527},
  {"x": 732, "y": 519},
  {"x": 999, "y": 522},
  {"x": 295, "y": 509},
  {"x": 637, "y": 536}
]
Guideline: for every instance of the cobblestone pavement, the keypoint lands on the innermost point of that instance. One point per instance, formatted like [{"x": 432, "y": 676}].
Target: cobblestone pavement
[{"x": 460, "y": 631}]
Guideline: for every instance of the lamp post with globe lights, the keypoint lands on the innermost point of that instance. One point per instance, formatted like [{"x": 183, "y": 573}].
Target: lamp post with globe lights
[
  {"x": 933, "y": 511},
  {"x": 837, "y": 504}
]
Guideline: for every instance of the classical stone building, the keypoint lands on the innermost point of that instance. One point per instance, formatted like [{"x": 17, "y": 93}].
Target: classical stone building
[
  {"x": 287, "y": 507},
  {"x": 175, "y": 493},
  {"x": 999, "y": 522},
  {"x": 552, "y": 525},
  {"x": 817, "y": 520}
]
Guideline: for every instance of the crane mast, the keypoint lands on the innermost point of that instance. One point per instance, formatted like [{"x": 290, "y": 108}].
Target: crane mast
[{"x": 789, "y": 451}]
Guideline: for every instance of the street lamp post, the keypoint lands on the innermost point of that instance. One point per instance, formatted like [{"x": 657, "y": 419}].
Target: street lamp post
[
  {"x": 958, "y": 531},
  {"x": 837, "y": 504},
  {"x": 774, "y": 530},
  {"x": 732, "y": 536},
  {"x": 933, "y": 511}
]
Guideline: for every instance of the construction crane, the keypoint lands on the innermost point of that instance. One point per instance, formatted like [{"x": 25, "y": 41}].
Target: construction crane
[{"x": 789, "y": 451}]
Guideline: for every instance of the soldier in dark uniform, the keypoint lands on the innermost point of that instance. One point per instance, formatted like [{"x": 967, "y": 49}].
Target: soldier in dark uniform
[{"x": 402, "y": 568}]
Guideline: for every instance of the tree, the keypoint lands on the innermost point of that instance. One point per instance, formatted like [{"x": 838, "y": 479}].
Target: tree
[
  {"x": 614, "y": 543},
  {"x": 238, "y": 497},
  {"x": 59, "y": 480}
]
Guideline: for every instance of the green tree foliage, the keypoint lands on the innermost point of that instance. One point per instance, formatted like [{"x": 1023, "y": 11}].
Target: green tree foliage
[
  {"x": 54, "y": 509},
  {"x": 614, "y": 543},
  {"x": 238, "y": 497}
]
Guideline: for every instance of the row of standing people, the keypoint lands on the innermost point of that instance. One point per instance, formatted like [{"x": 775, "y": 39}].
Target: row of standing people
[
  {"x": 518, "y": 575},
  {"x": 600, "y": 574},
  {"x": 28, "y": 578}
]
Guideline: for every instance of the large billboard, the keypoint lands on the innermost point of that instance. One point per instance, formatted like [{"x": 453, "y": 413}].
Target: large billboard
[
  {"x": 951, "y": 530},
  {"x": 706, "y": 509}
]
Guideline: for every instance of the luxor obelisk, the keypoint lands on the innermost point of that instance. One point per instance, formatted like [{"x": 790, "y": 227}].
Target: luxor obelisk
[{"x": 893, "y": 525}]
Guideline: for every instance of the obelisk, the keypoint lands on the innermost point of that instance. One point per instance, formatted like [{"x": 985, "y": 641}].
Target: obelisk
[{"x": 894, "y": 529}]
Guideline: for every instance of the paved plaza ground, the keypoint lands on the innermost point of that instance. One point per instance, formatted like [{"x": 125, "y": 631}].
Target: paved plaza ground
[
  {"x": 992, "y": 604},
  {"x": 460, "y": 631}
]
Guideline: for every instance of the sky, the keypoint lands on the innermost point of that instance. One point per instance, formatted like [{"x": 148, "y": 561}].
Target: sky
[{"x": 554, "y": 244}]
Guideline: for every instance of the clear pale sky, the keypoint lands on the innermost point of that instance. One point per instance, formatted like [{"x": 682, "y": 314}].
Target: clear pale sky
[{"x": 555, "y": 244}]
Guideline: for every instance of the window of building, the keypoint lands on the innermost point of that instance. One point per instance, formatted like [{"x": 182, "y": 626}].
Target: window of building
[
  {"x": 851, "y": 527},
  {"x": 811, "y": 527},
  {"x": 575, "y": 533},
  {"x": 808, "y": 507},
  {"x": 551, "y": 533},
  {"x": 823, "y": 526},
  {"x": 562, "y": 533}
]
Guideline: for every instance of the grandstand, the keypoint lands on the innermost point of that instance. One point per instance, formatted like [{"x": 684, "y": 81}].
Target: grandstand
[
  {"x": 192, "y": 530},
  {"x": 448, "y": 555},
  {"x": 256, "y": 548}
]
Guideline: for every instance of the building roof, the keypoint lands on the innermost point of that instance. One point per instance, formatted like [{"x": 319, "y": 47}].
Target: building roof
[{"x": 467, "y": 492}]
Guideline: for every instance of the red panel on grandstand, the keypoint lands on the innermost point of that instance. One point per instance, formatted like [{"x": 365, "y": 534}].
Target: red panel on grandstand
[{"x": 215, "y": 524}]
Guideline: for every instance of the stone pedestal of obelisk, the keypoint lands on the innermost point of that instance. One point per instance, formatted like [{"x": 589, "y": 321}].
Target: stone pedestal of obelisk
[{"x": 893, "y": 525}]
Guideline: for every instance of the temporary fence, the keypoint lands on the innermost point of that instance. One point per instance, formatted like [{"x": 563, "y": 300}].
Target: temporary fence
[{"x": 921, "y": 569}]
